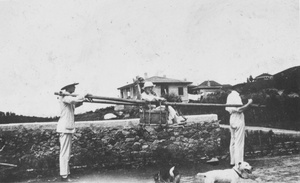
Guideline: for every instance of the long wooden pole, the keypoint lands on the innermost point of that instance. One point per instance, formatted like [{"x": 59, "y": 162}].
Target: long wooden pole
[
  {"x": 97, "y": 101},
  {"x": 106, "y": 98},
  {"x": 109, "y": 102},
  {"x": 8, "y": 164},
  {"x": 142, "y": 102},
  {"x": 208, "y": 104}
]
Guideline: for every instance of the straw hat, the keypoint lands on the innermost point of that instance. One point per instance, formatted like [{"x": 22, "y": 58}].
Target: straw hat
[
  {"x": 148, "y": 84},
  {"x": 67, "y": 86}
]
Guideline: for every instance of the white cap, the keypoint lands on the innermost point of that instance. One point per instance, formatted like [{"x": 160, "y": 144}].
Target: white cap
[{"x": 148, "y": 84}]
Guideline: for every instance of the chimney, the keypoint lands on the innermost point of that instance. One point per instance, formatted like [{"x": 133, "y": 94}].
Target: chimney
[
  {"x": 208, "y": 83},
  {"x": 145, "y": 75},
  {"x": 184, "y": 79}
]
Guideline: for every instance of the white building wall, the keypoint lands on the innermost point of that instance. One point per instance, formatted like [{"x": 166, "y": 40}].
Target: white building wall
[
  {"x": 174, "y": 89},
  {"x": 157, "y": 90}
]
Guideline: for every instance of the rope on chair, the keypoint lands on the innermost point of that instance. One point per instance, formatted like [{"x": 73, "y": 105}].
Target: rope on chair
[
  {"x": 144, "y": 119},
  {"x": 149, "y": 113},
  {"x": 160, "y": 112}
]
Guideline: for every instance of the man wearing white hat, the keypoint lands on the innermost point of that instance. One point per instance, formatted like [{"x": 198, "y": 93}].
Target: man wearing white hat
[
  {"x": 66, "y": 127},
  {"x": 150, "y": 96}
]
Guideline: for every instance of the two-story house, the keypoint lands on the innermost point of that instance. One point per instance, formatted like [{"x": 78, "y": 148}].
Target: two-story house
[{"x": 163, "y": 85}]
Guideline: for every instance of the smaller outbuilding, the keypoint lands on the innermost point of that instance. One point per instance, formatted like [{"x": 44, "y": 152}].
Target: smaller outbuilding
[
  {"x": 207, "y": 87},
  {"x": 263, "y": 77}
]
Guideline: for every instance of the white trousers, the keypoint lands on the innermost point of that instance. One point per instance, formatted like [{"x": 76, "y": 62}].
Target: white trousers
[
  {"x": 237, "y": 141},
  {"x": 172, "y": 112},
  {"x": 65, "y": 140},
  {"x": 173, "y": 116}
]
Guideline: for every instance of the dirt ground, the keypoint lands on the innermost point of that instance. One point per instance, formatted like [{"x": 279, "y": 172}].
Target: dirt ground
[{"x": 279, "y": 169}]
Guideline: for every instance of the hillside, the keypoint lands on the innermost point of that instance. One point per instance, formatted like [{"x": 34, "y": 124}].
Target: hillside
[
  {"x": 98, "y": 114},
  {"x": 10, "y": 117},
  {"x": 287, "y": 80}
]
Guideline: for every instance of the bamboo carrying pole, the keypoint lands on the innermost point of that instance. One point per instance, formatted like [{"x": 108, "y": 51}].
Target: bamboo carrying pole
[
  {"x": 208, "y": 104},
  {"x": 109, "y": 102},
  {"x": 105, "y": 98},
  {"x": 96, "y": 101},
  {"x": 8, "y": 164},
  {"x": 114, "y": 100}
]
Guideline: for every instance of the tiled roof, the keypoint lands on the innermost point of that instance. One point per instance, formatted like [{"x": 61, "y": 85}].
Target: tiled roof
[
  {"x": 159, "y": 80},
  {"x": 264, "y": 74},
  {"x": 208, "y": 84}
]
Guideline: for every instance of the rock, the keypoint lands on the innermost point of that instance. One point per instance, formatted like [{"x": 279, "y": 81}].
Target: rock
[
  {"x": 146, "y": 135},
  {"x": 149, "y": 129},
  {"x": 172, "y": 138},
  {"x": 173, "y": 147},
  {"x": 136, "y": 146},
  {"x": 112, "y": 141},
  {"x": 176, "y": 133},
  {"x": 259, "y": 179},
  {"x": 196, "y": 136},
  {"x": 185, "y": 133},
  {"x": 110, "y": 116},
  {"x": 145, "y": 147},
  {"x": 170, "y": 130},
  {"x": 213, "y": 161},
  {"x": 185, "y": 139},
  {"x": 129, "y": 139},
  {"x": 177, "y": 143},
  {"x": 162, "y": 135},
  {"x": 191, "y": 141},
  {"x": 142, "y": 141},
  {"x": 105, "y": 141},
  {"x": 155, "y": 142},
  {"x": 162, "y": 141},
  {"x": 126, "y": 133},
  {"x": 119, "y": 135}
]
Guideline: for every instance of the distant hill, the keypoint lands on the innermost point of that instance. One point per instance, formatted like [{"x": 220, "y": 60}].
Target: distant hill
[
  {"x": 287, "y": 80},
  {"x": 98, "y": 114},
  {"x": 10, "y": 117}
]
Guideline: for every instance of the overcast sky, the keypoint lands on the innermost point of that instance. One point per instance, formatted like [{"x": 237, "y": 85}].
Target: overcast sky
[{"x": 104, "y": 44}]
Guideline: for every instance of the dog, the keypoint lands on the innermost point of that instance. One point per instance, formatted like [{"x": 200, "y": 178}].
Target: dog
[
  {"x": 241, "y": 170},
  {"x": 167, "y": 175}
]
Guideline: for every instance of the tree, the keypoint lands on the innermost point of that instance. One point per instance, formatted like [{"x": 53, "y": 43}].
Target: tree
[{"x": 251, "y": 78}]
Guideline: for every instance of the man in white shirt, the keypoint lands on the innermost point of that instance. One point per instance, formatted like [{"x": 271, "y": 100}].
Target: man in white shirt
[
  {"x": 237, "y": 126},
  {"x": 150, "y": 96},
  {"x": 66, "y": 127}
]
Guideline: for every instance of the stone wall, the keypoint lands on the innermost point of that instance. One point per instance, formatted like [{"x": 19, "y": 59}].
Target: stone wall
[
  {"x": 262, "y": 141},
  {"x": 34, "y": 147},
  {"x": 111, "y": 144}
]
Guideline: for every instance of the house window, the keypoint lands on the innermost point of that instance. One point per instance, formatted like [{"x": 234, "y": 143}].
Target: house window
[
  {"x": 128, "y": 93},
  {"x": 164, "y": 89},
  {"x": 180, "y": 90}
]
